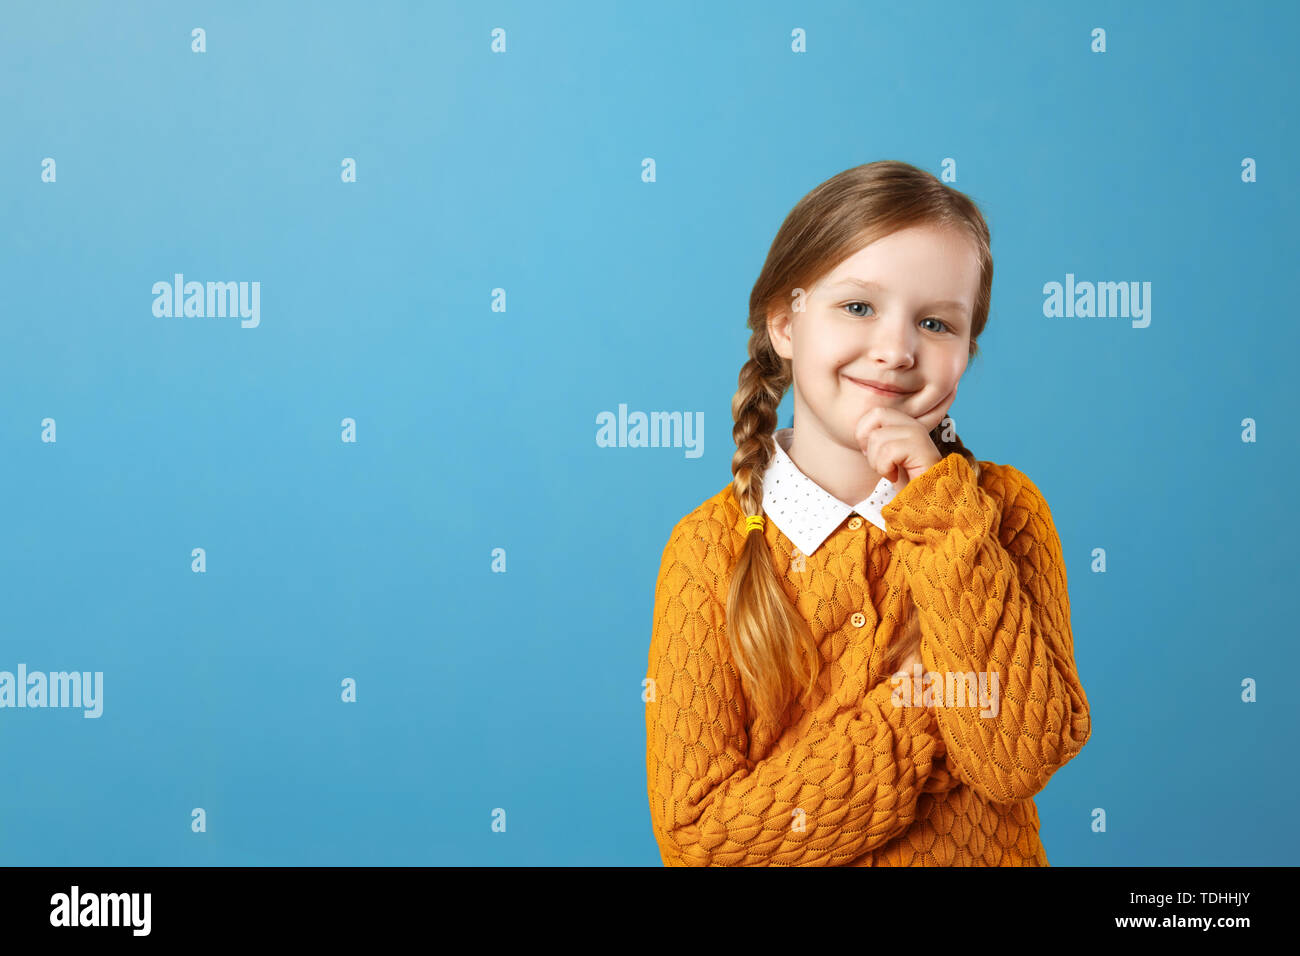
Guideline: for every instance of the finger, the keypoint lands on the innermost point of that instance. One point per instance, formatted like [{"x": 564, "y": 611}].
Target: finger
[
  {"x": 878, "y": 417},
  {"x": 940, "y": 411},
  {"x": 887, "y": 455},
  {"x": 884, "y": 433},
  {"x": 873, "y": 426}
]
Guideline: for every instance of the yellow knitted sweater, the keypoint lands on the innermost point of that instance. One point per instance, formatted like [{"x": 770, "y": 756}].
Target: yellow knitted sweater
[{"x": 852, "y": 778}]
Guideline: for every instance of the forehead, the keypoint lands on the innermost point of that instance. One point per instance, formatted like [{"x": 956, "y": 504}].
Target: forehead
[{"x": 918, "y": 263}]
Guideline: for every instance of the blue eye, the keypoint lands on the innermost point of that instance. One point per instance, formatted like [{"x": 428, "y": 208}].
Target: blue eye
[{"x": 860, "y": 315}]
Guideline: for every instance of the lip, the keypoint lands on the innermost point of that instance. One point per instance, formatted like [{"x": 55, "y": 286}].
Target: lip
[{"x": 879, "y": 390}]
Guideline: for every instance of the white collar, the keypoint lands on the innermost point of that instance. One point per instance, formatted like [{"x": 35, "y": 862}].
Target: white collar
[{"x": 803, "y": 510}]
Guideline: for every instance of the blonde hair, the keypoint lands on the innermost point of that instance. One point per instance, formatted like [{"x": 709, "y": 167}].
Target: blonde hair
[{"x": 770, "y": 641}]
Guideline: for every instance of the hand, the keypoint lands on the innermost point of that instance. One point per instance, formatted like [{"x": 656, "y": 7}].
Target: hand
[
  {"x": 912, "y": 671},
  {"x": 912, "y": 663},
  {"x": 898, "y": 446}
]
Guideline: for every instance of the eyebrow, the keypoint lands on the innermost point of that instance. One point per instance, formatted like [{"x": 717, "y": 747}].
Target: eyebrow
[{"x": 876, "y": 287}]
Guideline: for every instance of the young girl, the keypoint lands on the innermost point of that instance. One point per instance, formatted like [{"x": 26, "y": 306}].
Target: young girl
[{"x": 873, "y": 294}]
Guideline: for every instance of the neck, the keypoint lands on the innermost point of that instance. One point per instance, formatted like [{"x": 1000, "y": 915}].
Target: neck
[{"x": 841, "y": 470}]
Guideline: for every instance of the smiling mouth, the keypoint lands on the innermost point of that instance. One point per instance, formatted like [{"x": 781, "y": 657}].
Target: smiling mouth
[{"x": 879, "y": 391}]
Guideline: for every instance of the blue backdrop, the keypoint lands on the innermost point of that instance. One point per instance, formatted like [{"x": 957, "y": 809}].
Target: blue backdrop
[{"x": 460, "y": 264}]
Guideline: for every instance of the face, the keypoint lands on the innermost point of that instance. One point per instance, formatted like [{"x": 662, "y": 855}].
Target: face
[{"x": 896, "y": 312}]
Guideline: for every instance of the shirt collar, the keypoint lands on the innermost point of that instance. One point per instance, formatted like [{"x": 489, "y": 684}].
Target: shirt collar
[{"x": 803, "y": 510}]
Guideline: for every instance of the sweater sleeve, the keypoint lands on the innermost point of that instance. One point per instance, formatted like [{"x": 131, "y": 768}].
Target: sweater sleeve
[
  {"x": 986, "y": 572},
  {"x": 847, "y": 784}
]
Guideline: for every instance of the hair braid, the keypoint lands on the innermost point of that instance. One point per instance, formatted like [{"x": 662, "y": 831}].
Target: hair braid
[{"x": 762, "y": 621}]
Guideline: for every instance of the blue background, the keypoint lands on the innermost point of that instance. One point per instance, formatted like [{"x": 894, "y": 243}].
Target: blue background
[{"x": 476, "y": 428}]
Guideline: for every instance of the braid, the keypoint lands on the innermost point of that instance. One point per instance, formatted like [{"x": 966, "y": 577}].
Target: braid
[
  {"x": 770, "y": 641},
  {"x": 754, "y": 409}
]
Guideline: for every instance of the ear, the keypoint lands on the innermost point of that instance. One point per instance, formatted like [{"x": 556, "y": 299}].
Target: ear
[{"x": 778, "y": 330}]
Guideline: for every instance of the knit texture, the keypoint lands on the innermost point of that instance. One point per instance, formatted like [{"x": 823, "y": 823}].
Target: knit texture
[{"x": 850, "y": 778}]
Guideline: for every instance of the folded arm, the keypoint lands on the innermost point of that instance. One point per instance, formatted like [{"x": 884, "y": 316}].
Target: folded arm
[
  {"x": 985, "y": 568},
  {"x": 847, "y": 784}
]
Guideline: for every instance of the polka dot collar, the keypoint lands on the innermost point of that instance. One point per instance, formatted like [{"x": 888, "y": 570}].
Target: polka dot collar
[{"x": 803, "y": 510}]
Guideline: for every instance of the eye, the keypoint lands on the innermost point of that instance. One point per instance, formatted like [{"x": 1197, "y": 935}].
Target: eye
[{"x": 850, "y": 305}]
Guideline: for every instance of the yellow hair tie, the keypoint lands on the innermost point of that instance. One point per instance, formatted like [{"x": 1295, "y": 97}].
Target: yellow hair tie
[{"x": 752, "y": 522}]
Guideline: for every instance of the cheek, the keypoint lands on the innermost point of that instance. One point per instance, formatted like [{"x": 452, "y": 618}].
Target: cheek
[
  {"x": 949, "y": 371},
  {"x": 821, "y": 360}
]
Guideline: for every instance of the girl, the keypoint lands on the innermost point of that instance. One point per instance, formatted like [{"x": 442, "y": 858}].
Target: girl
[{"x": 870, "y": 303}]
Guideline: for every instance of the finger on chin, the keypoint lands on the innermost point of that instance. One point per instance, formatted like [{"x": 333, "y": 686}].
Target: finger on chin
[{"x": 936, "y": 415}]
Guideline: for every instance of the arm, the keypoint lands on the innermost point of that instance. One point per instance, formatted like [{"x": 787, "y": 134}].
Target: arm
[
  {"x": 989, "y": 583},
  {"x": 856, "y": 772},
  {"x": 943, "y": 775}
]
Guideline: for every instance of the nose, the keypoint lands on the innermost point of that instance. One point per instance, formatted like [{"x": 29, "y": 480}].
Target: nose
[{"x": 892, "y": 343}]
